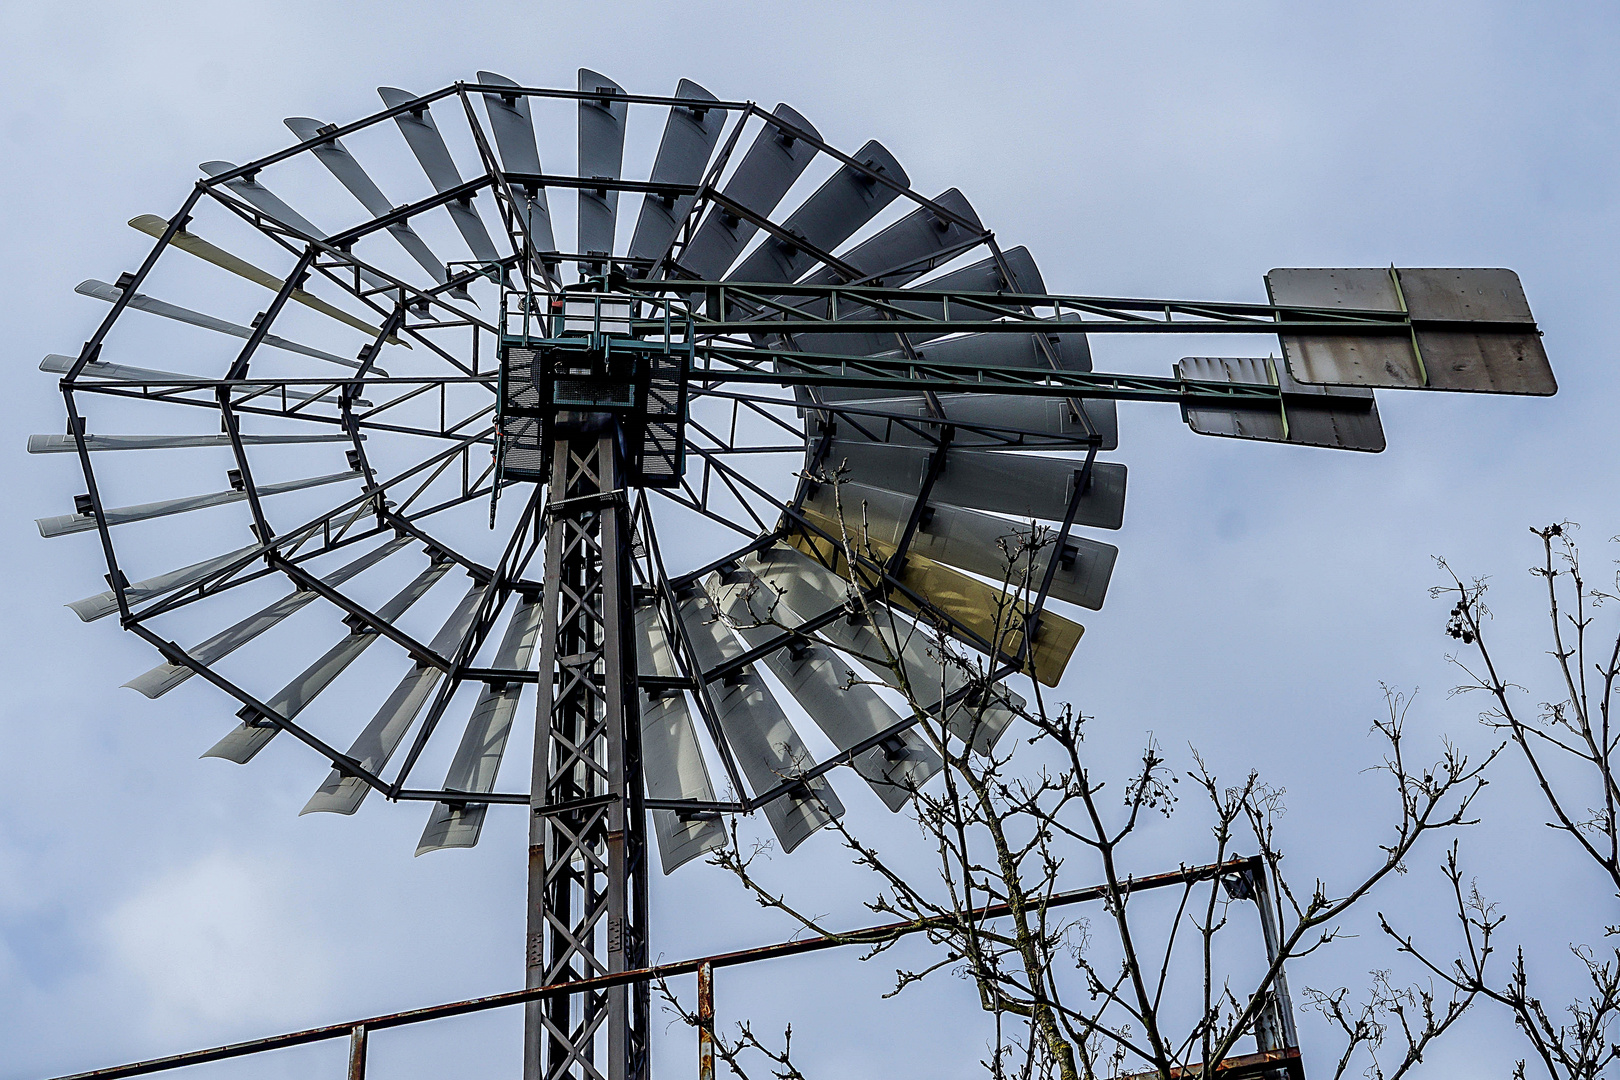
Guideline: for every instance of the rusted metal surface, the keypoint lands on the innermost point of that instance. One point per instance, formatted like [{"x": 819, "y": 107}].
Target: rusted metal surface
[
  {"x": 357, "y": 1053},
  {"x": 863, "y": 936},
  {"x": 1266, "y": 1064},
  {"x": 705, "y": 993}
]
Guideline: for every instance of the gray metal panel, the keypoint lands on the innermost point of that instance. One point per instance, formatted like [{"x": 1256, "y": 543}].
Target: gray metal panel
[
  {"x": 478, "y": 757},
  {"x": 103, "y": 604},
  {"x": 914, "y": 243},
  {"x": 810, "y": 589},
  {"x": 100, "y": 290},
  {"x": 342, "y": 164},
  {"x": 1494, "y": 362},
  {"x": 65, "y": 444},
  {"x": 165, "y": 677},
  {"x": 769, "y": 168},
  {"x": 1051, "y": 419},
  {"x": 767, "y": 747},
  {"x": 601, "y": 154},
  {"x": 683, "y": 153},
  {"x": 672, "y": 762},
  {"x": 422, "y": 135},
  {"x": 63, "y": 524},
  {"x": 847, "y": 710},
  {"x": 1497, "y": 363},
  {"x": 971, "y": 541},
  {"x": 846, "y": 201},
  {"x": 1019, "y": 485},
  {"x": 248, "y": 739},
  {"x": 982, "y": 276},
  {"x": 268, "y": 203},
  {"x": 372, "y": 748},
  {"x": 513, "y": 126},
  {"x": 1341, "y": 418}
]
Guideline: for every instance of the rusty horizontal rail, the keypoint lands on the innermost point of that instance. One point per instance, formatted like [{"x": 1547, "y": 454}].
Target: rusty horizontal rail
[{"x": 864, "y": 936}]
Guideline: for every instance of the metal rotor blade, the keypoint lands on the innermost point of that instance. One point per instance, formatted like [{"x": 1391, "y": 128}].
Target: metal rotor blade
[
  {"x": 65, "y": 444},
  {"x": 846, "y": 710},
  {"x": 269, "y": 204},
  {"x": 422, "y": 134},
  {"x": 478, "y": 758},
  {"x": 880, "y": 643},
  {"x": 372, "y": 748},
  {"x": 909, "y": 248},
  {"x": 165, "y": 677},
  {"x": 773, "y": 162},
  {"x": 254, "y": 734},
  {"x": 513, "y": 125},
  {"x": 103, "y": 604},
  {"x": 349, "y": 173},
  {"x": 971, "y": 541},
  {"x": 1018, "y": 485},
  {"x": 979, "y": 420},
  {"x": 192, "y": 244},
  {"x": 601, "y": 156},
  {"x": 689, "y": 138},
  {"x": 57, "y": 364},
  {"x": 982, "y": 276},
  {"x": 100, "y": 290},
  {"x": 64, "y": 524},
  {"x": 672, "y": 762},
  {"x": 759, "y": 733},
  {"x": 846, "y": 201}
]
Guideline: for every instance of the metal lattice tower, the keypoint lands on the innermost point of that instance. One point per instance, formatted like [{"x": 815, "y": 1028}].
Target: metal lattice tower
[{"x": 587, "y": 841}]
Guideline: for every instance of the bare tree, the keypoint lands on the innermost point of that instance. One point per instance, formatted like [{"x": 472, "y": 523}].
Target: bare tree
[
  {"x": 1146, "y": 986},
  {"x": 1567, "y": 746}
]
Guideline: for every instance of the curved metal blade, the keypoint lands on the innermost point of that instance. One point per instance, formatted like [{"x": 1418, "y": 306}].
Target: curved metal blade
[
  {"x": 982, "y": 276},
  {"x": 847, "y": 711},
  {"x": 971, "y": 541},
  {"x": 64, "y": 524},
  {"x": 165, "y": 677},
  {"x": 271, "y": 205},
  {"x": 601, "y": 155},
  {"x": 422, "y": 134},
  {"x": 254, "y": 734},
  {"x": 689, "y": 138},
  {"x": 672, "y": 762},
  {"x": 342, "y": 794},
  {"x": 882, "y": 644},
  {"x": 478, "y": 758},
  {"x": 57, "y": 364},
  {"x": 192, "y": 244},
  {"x": 103, "y": 604},
  {"x": 910, "y": 247},
  {"x": 349, "y": 173},
  {"x": 100, "y": 290},
  {"x": 767, "y": 747},
  {"x": 513, "y": 125},
  {"x": 65, "y": 444},
  {"x": 981, "y": 420},
  {"x": 1018, "y": 485},
  {"x": 846, "y": 201},
  {"x": 773, "y": 162}
]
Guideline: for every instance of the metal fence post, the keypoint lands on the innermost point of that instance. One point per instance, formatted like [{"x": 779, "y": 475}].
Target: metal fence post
[
  {"x": 705, "y": 1021},
  {"x": 357, "y": 1053}
]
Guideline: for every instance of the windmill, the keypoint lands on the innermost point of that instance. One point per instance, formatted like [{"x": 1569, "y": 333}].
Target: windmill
[{"x": 453, "y": 394}]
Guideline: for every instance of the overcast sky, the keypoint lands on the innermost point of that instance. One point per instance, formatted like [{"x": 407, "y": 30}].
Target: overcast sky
[{"x": 151, "y": 902}]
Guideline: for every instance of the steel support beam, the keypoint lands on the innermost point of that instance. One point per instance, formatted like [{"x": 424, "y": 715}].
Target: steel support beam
[{"x": 587, "y": 908}]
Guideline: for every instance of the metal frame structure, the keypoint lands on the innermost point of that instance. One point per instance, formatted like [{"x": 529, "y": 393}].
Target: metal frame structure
[{"x": 587, "y": 909}]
